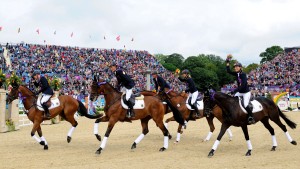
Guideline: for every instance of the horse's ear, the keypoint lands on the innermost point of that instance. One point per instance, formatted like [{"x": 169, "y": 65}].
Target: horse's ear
[{"x": 15, "y": 85}]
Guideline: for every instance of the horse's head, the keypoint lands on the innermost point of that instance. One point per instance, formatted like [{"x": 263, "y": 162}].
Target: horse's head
[
  {"x": 97, "y": 88},
  {"x": 13, "y": 94},
  {"x": 209, "y": 98}
]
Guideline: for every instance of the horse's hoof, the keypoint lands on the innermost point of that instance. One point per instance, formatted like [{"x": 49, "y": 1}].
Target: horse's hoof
[
  {"x": 133, "y": 146},
  {"x": 170, "y": 137},
  {"x": 42, "y": 143},
  {"x": 204, "y": 140},
  {"x": 69, "y": 139},
  {"x": 211, "y": 153},
  {"x": 162, "y": 149},
  {"x": 248, "y": 153},
  {"x": 230, "y": 138},
  {"x": 273, "y": 148},
  {"x": 181, "y": 132},
  {"x": 45, "y": 147},
  {"x": 98, "y": 137},
  {"x": 98, "y": 151},
  {"x": 294, "y": 142},
  {"x": 175, "y": 142}
]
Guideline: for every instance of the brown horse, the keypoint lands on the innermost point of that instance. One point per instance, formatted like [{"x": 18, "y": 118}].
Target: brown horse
[
  {"x": 114, "y": 112},
  {"x": 233, "y": 115},
  {"x": 178, "y": 100},
  {"x": 67, "y": 108}
]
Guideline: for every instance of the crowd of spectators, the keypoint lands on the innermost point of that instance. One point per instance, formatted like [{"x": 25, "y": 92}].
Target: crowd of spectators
[
  {"x": 277, "y": 75},
  {"x": 76, "y": 66}
]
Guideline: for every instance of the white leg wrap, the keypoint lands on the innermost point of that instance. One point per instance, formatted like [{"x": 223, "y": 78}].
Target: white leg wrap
[
  {"x": 43, "y": 139},
  {"x": 140, "y": 138},
  {"x": 96, "y": 125},
  {"x": 166, "y": 142},
  {"x": 274, "y": 141},
  {"x": 166, "y": 125},
  {"x": 37, "y": 139},
  {"x": 249, "y": 145},
  {"x": 208, "y": 136},
  {"x": 71, "y": 131},
  {"x": 216, "y": 144},
  {"x": 178, "y": 137},
  {"x": 103, "y": 143},
  {"x": 288, "y": 136},
  {"x": 230, "y": 133}
]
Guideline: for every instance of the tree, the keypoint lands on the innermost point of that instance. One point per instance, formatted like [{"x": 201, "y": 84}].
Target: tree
[
  {"x": 161, "y": 58},
  {"x": 270, "y": 53},
  {"x": 169, "y": 66},
  {"x": 204, "y": 78},
  {"x": 250, "y": 67},
  {"x": 175, "y": 59}
]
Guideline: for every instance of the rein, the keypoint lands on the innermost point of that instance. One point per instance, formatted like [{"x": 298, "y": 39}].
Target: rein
[{"x": 106, "y": 93}]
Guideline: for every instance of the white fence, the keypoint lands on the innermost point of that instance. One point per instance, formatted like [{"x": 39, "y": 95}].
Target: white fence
[{"x": 24, "y": 121}]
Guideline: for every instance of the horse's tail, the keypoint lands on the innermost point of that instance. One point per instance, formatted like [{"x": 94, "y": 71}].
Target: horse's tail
[
  {"x": 288, "y": 121},
  {"x": 83, "y": 111},
  {"x": 176, "y": 113}
]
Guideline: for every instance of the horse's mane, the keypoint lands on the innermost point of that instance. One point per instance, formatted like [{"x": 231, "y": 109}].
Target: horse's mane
[
  {"x": 113, "y": 87},
  {"x": 27, "y": 88}
]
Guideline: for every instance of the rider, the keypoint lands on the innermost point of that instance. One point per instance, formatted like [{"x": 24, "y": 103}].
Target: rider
[
  {"x": 160, "y": 82},
  {"x": 126, "y": 83},
  {"x": 191, "y": 89},
  {"x": 46, "y": 90},
  {"x": 243, "y": 89}
]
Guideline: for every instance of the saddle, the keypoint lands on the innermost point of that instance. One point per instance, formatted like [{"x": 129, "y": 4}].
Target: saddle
[
  {"x": 52, "y": 103},
  {"x": 254, "y": 105},
  {"x": 199, "y": 101},
  {"x": 136, "y": 100}
]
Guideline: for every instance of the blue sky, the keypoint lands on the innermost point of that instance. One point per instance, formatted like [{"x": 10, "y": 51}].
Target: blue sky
[{"x": 243, "y": 28}]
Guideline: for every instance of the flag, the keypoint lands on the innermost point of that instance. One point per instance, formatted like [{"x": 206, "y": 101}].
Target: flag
[
  {"x": 38, "y": 31},
  {"x": 118, "y": 38},
  {"x": 104, "y": 38},
  {"x": 132, "y": 39},
  {"x": 19, "y": 30},
  {"x": 55, "y": 32},
  {"x": 71, "y": 34},
  {"x": 0, "y": 28}
]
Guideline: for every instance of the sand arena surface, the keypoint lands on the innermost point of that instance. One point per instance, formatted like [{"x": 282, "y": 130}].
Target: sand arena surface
[{"x": 19, "y": 150}]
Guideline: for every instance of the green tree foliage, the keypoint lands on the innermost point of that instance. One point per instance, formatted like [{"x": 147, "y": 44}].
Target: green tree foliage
[
  {"x": 169, "y": 66},
  {"x": 175, "y": 59},
  {"x": 250, "y": 67},
  {"x": 270, "y": 53},
  {"x": 161, "y": 58}
]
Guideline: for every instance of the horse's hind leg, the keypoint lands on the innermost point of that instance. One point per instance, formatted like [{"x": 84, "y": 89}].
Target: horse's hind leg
[
  {"x": 70, "y": 118},
  {"x": 267, "y": 125},
  {"x": 145, "y": 130},
  {"x": 43, "y": 139},
  {"x": 224, "y": 127}
]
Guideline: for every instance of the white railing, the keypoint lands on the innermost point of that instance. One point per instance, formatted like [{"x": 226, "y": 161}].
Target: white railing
[{"x": 24, "y": 121}]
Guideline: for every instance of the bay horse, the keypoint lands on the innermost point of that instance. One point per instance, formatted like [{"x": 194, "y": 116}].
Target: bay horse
[
  {"x": 178, "y": 100},
  {"x": 233, "y": 115},
  {"x": 114, "y": 112},
  {"x": 67, "y": 108}
]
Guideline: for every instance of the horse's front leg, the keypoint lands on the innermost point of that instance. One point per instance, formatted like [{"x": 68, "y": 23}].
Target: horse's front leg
[
  {"x": 35, "y": 127},
  {"x": 224, "y": 127},
  {"x": 111, "y": 124},
  {"x": 43, "y": 139},
  {"x": 211, "y": 127},
  {"x": 96, "y": 126},
  {"x": 245, "y": 130},
  {"x": 179, "y": 132}
]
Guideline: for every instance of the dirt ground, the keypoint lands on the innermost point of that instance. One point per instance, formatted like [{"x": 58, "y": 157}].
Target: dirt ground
[{"x": 19, "y": 150}]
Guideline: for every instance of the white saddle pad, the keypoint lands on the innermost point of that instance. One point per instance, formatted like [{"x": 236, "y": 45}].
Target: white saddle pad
[
  {"x": 257, "y": 107},
  {"x": 139, "y": 104},
  {"x": 200, "y": 105},
  {"x": 54, "y": 103}
]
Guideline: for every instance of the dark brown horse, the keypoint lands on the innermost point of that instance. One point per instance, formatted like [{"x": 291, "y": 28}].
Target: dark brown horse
[
  {"x": 67, "y": 108},
  {"x": 114, "y": 112},
  {"x": 178, "y": 100},
  {"x": 233, "y": 115}
]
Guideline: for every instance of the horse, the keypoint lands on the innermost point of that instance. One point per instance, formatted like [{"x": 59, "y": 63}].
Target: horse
[
  {"x": 67, "y": 108},
  {"x": 114, "y": 112},
  {"x": 179, "y": 100},
  {"x": 233, "y": 115}
]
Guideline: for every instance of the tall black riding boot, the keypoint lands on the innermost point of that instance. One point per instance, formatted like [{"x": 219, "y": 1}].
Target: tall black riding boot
[
  {"x": 47, "y": 114},
  {"x": 130, "y": 112},
  {"x": 197, "y": 113},
  {"x": 250, "y": 115}
]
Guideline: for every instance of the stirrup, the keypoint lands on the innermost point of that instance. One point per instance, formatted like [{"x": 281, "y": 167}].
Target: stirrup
[{"x": 251, "y": 120}]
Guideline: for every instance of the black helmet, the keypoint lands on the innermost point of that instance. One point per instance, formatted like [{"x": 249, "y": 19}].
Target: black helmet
[
  {"x": 35, "y": 73},
  {"x": 237, "y": 64},
  {"x": 113, "y": 64},
  {"x": 154, "y": 72},
  {"x": 185, "y": 71}
]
